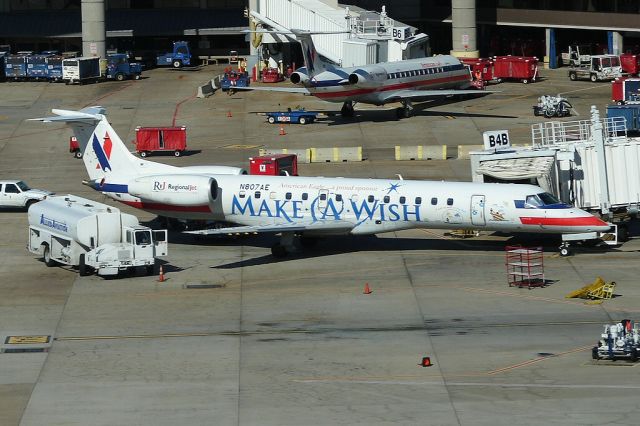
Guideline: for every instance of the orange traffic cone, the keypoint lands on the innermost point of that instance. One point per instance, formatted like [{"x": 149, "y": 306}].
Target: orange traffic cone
[
  {"x": 282, "y": 132},
  {"x": 229, "y": 114},
  {"x": 426, "y": 362},
  {"x": 367, "y": 290},
  {"x": 161, "y": 277}
]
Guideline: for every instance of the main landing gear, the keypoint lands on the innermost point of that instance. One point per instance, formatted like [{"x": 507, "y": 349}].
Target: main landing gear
[
  {"x": 347, "y": 109},
  {"x": 287, "y": 244},
  {"x": 406, "y": 110}
]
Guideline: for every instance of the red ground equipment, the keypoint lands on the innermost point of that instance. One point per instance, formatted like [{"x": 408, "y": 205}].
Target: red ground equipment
[
  {"x": 625, "y": 90},
  {"x": 272, "y": 75},
  {"x": 274, "y": 165},
  {"x": 74, "y": 147},
  {"x": 153, "y": 139},
  {"x": 523, "y": 68},
  {"x": 483, "y": 66},
  {"x": 630, "y": 63}
]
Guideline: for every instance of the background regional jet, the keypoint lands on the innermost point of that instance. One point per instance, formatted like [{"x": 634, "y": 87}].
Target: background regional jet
[
  {"x": 377, "y": 84},
  {"x": 311, "y": 206}
]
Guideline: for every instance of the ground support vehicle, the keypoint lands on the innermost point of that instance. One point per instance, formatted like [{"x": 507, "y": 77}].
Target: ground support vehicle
[
  {"x": 523, "y": 68},
  {"x": 74, "y": 147},
  {"x": 552, "y": 106},
  {"x": 15, "y": 67},
  {"x": 274, "y": 165},
  {"x": 601, "y": 68},
  {"x": 630, "y": 113},
  {"x": 92, "y": 236},
  {"x": 119, "y": 68},
  {"x": 272, "y": 75},
  {"x": 2, "y": 66},
  {"x": 17, "y": 194},
  {"x": 625, "y": 90},
  {"x": 81, "y": 70},
  {"x": 296, "y": 116},
  {"x": 577, "y": 55},
  {"x": 618, "y": 341},
  {"x": 177, "y": 58},
  {"x": 234, "y": 78},
  {"x": 630, "y": 63},
  {"x": 481, "y": 68},
  {"x": 159, "y": 139},
  {"x": 54, "y": 68}
]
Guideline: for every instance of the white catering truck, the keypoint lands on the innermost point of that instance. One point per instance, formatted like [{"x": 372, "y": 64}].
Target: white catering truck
[{"x": 92, "y": 236}]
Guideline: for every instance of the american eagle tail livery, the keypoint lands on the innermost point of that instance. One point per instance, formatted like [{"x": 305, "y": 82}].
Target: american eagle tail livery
[
  {"x": 376, "y": 84},
  {"x": 311, "y": 206}
]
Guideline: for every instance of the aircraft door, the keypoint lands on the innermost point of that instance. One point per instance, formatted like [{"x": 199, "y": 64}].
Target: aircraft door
[
  {"x": 477, "y": 210},
  {"x": 323, "y": 194}
]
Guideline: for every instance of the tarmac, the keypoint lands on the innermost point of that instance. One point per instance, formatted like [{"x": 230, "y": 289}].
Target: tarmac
[{"x": 236, "y": 337}]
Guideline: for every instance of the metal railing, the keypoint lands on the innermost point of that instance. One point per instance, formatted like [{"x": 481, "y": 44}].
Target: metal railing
[{"x": 554, "y": 133}]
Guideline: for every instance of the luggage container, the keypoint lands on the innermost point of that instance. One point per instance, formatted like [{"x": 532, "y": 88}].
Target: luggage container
[
  {"x": 625, "y": 90},
  {"x": 631, "y": 113},
  {"x": 523, "y": 68},
  {"x": 54, "y": 68},
  {"x": 274, "y": 165},
  {"x": 16, "y": 67},
  {"x": 155, "y": 139},
  {"x": 80, "y": 70},
  {"x": 37, "y": 67},
  {"x": 630, "y": 63}
]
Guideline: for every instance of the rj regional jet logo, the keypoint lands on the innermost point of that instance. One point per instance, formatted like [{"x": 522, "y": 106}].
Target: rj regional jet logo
[{"x": 103, "y": 152}]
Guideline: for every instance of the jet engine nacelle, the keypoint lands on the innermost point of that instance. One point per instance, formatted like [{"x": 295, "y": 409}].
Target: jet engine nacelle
[
  {"x": 367, "y": 76},
  {"x": 175, "y": 190},
  {"x": 300, "y": 76}
]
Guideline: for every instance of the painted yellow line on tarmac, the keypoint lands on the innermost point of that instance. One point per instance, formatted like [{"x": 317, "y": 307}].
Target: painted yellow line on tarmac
[{"x": 537, "y": 360}]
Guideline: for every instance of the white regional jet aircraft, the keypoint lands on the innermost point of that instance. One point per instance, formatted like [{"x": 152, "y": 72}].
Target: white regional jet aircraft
[
  {"x": 311, "y": 206},
  {"x": 377, "y": 84}
]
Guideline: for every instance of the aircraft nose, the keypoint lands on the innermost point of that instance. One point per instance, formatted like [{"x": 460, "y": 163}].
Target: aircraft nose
[{"x": 589, "y": 221}]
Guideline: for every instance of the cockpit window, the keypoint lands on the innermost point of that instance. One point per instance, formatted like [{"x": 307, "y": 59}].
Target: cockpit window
[{"x": 541, "y": 200}]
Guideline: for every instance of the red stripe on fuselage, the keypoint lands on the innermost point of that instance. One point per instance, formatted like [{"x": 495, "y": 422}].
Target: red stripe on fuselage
[
  {"x": 166, "y": 207},
  {"x": 410, "y": 84},
  {"x": 563, "y": 221}
]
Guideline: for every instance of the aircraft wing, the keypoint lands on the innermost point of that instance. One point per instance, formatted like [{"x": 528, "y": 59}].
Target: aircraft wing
[
  {"x": 302, "y": 90},
  {"x": 398, "y": 95},
  {"x": 328, "y": 226}
]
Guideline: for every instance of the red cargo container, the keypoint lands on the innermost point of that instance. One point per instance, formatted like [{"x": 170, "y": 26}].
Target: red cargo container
[
  {"x": 153, "y": 139},
  {"x": 274, "y": 165},
  {"x": 523, "y": 68},
  {"x": 483, "y": 66},
  {"x": 272, "y": 75},
  {"x": 630, "y": 63},
  {"x": 625, "y": 90}
]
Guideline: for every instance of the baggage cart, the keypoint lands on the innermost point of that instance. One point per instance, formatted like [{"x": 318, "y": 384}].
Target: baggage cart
[
  {"x": 625, "y": 90},
  {"x": 16, "y": 67},
  {"x": 158, "y": 139},
  {"x": 523, "y": 68},
  {"x": 274, "y": 165},
  {"x": 630, "y": 63},
  {"x": 81, "y": 70}
]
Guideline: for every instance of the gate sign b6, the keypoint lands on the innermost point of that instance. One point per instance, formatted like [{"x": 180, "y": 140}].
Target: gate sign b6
[{"x": 496, "y": 139}]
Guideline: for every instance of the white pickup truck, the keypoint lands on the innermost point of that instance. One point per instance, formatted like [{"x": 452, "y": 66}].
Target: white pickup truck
[{"x": 17, "y": 194}]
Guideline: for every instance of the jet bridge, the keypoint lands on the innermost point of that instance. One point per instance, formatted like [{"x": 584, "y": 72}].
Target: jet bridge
[{"x": 369, "y": 37}]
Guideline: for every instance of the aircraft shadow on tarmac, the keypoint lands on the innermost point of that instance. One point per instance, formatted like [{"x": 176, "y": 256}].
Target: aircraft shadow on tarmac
[{"x": 350, "y": 244}]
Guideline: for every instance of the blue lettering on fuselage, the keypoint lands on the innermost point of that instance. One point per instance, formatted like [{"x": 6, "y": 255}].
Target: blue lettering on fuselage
[{"x": 327, "y": 209}]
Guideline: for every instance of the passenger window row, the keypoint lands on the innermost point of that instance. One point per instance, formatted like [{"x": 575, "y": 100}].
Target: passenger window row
[
  {"x": 338, "y": 197},
  {"x": 422, "y": 71}
]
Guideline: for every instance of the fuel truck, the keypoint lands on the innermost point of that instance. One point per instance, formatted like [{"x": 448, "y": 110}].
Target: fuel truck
[{"x": 92, "y": 236}]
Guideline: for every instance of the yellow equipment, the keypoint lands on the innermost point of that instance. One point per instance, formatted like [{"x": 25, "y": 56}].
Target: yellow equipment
[{"x": 599, "y": 289}]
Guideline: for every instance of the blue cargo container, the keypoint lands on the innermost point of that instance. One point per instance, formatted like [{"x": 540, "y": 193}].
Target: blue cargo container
[
  {"x": 16, "y": 67},
  {"x": 631, "y": 113},
  {"x": 37, "y": 67},
  {"x": 54, "y": 68}
]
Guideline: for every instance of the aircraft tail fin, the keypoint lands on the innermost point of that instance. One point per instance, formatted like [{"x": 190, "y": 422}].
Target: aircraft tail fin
[
  {"x": 313, "y": 61},
  {"x": 104, "y": 152}
]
